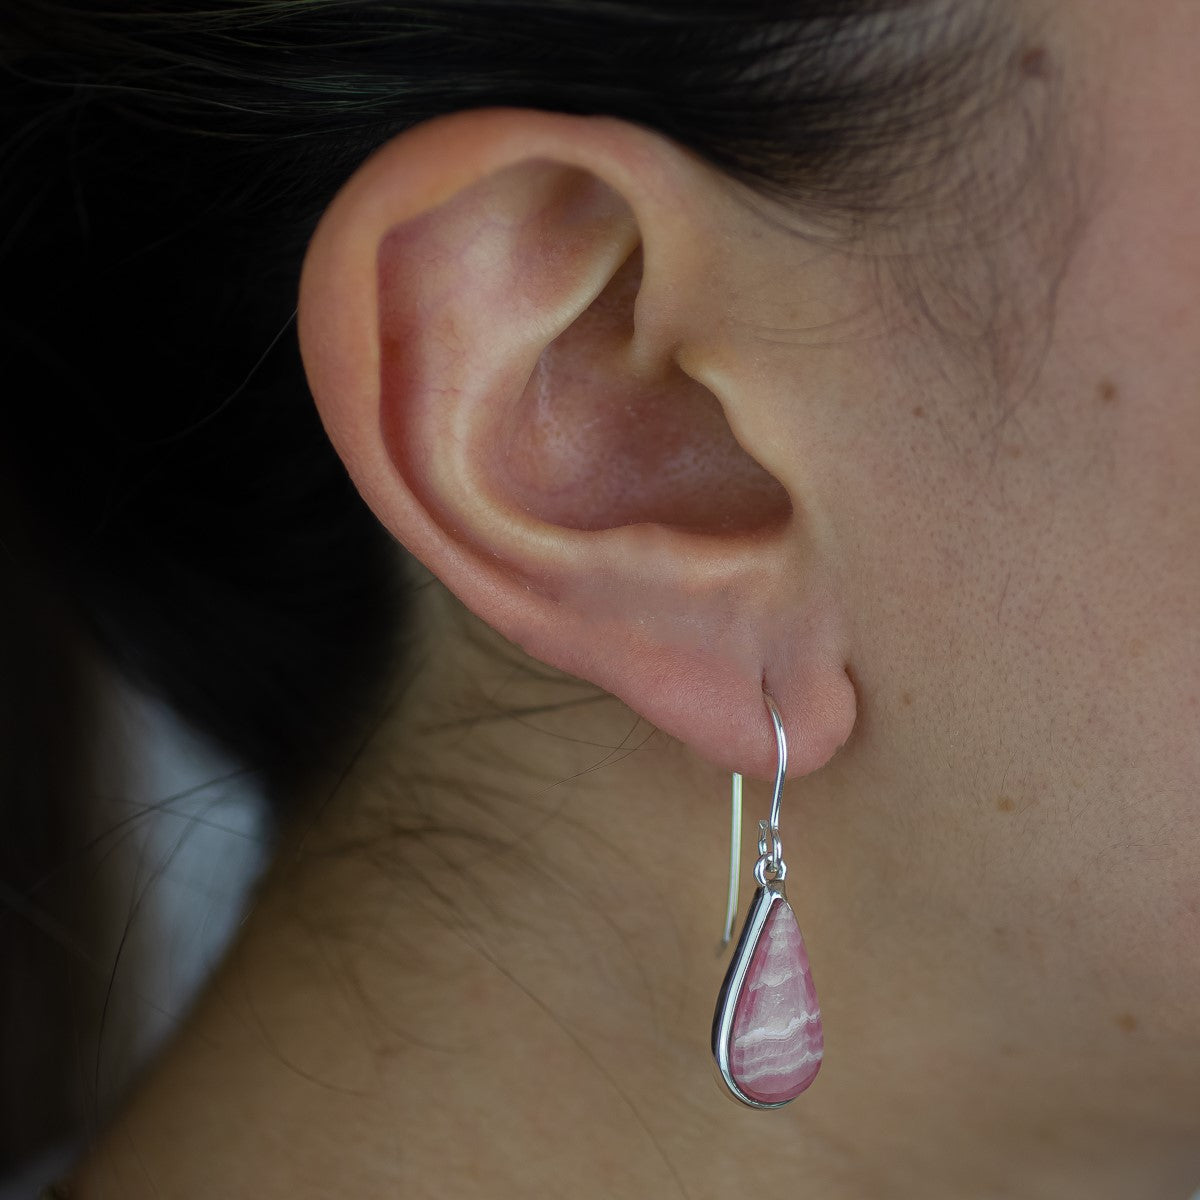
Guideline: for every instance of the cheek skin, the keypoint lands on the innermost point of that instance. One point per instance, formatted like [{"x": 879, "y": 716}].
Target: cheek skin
[{"x": 1025, "y": 591}]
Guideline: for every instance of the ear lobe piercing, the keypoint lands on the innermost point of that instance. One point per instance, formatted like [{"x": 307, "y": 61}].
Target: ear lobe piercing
[{"x": 767, "y": 1037}]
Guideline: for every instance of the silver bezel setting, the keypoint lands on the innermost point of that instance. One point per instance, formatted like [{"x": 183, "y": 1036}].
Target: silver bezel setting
[{"x": 769, "y": 894}]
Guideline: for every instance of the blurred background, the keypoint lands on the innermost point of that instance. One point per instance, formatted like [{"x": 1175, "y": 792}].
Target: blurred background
[{"x": 158, "y": 876}]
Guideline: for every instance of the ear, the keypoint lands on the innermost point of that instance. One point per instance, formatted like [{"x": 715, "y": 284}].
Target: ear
[{"x": 514, "y": 325}]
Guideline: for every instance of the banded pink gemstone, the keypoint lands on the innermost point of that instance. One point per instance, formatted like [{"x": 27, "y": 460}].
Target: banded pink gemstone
[{"x": 776, "y": 1042}]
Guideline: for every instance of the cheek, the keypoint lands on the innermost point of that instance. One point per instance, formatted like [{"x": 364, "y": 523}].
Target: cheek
[
  {"x": 1024, "y": 582},
  {"x": 1027, "y": 622}
]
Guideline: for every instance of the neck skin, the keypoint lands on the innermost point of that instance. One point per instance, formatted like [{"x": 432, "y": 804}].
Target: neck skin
[{"x": 485, "y": 967}]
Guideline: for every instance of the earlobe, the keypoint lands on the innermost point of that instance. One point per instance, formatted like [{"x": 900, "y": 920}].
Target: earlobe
[{"x": 493, "y": 317}]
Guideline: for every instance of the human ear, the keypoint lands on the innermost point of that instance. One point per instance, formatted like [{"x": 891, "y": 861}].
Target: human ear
[{"x": 514, "y": 328}]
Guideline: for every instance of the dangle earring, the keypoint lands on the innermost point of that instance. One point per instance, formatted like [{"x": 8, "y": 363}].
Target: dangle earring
[{"x": 767, "y": 1036}]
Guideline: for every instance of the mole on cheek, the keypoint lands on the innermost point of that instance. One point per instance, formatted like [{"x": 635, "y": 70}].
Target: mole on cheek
[
  {"x": 1127, "y": 1022},
  {"x": 1034, "y": 63},
  {"x": 1106, "y": 392}
]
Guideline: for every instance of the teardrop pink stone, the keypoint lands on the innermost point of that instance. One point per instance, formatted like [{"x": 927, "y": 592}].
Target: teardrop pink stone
[{"x": 777, "y": 1042}]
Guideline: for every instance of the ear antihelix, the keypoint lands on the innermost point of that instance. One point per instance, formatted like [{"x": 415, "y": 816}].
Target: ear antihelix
[
  {"x": 503, "y": 265},
  {"x": 470, "y": 294},
  {"x": 511, "y": 364}
]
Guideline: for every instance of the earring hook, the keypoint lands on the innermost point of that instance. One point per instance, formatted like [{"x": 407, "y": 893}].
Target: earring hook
[{"x": 770, "y": 857}]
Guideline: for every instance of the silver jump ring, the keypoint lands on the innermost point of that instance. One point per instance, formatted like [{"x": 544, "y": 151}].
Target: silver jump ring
[{"x": 778, "y": 871}]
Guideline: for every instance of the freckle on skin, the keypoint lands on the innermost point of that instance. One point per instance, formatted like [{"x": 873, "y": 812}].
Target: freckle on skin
[
  {"x": 1012, "y": 451},
  {"x": 1106, "y": 391},
  {"x": 906, "y": 699},
  {"x": 919, "y": 411},
  {"x": 1127, "y": 1022},
  {"x": 1005, "y": 804},
  {"x": 1073, "y": 886},
  {"x": 1034, "y": 63}
]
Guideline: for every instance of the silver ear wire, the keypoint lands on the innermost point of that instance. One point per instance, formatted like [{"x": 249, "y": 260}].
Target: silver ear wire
[
  {"x": 770, "y": 852},
  {"x": 735, "y": 860}
]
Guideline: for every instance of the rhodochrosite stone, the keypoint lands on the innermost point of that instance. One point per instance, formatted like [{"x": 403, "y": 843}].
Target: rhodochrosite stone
[{"x": 777, "y": 1042}]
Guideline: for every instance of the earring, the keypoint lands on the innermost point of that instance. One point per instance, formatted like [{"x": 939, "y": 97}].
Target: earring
[{"x": 767, "y": 1035}]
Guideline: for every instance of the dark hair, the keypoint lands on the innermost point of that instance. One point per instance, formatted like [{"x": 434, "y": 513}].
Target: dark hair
[{"x": 170, "y": 502}]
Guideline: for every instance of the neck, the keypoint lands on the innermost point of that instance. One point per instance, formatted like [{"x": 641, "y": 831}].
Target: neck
[{"x": 485, "y": 965}]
